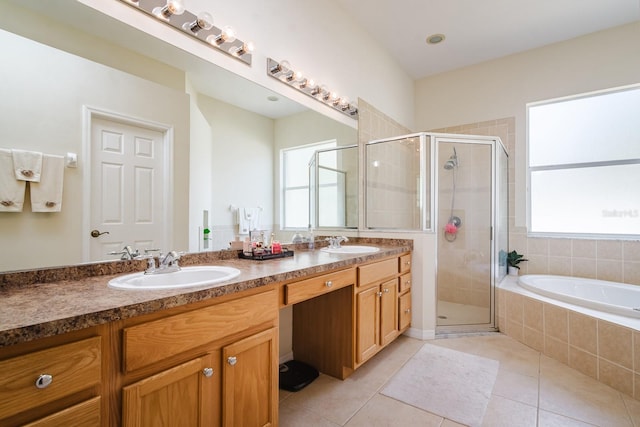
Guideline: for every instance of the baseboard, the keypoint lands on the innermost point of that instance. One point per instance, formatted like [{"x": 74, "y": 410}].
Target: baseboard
[{"x": 421, "y": 334}]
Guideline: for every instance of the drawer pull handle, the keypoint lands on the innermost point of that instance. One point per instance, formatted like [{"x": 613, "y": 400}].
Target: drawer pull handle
[
  {"x": 207, "y": 372},
  {"x": 232, "y": 360},
  {"x": 44, "y": 381},
  {"x": 328, "y": 283}
]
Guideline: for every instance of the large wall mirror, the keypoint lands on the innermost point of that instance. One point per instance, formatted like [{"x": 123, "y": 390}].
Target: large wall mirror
[{"x": 218, "y": 137}]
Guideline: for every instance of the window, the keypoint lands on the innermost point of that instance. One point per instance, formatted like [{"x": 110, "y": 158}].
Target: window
[
  {"x": 295, "y": 184},
  {"x": 584, "y": 164}
]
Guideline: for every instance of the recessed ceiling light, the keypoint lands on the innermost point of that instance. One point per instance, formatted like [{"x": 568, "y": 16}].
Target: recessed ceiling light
[
  {"x": 435, "y": 38},
  {"x": 272, "y": 98}
]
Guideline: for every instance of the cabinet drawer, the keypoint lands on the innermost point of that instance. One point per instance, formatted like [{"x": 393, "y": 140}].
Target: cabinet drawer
[
  {"x": 404, "y": 314},
  {"x": 404, "y": 283},
  {"x": 404, "y": 263},
  {"x": 376, "y": 272},
  {"x": 310, "y": 288},
  {"x": 73, "y": 367},
  {"x": 86, "y": 413},
  {"x": 154, "y": 341}
]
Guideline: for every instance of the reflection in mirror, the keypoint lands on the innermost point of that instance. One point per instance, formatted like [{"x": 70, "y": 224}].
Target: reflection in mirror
[
  {"x": 394, "y": 193},
  {"x": 333, "y": 195},
  {"x": 224, "y": 147}
]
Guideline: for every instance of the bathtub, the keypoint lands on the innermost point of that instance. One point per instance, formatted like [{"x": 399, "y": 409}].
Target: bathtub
[{"x": 600, "y": 295}]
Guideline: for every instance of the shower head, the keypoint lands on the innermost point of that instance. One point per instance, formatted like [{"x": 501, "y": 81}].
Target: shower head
[{"x": 452, "y": 162}]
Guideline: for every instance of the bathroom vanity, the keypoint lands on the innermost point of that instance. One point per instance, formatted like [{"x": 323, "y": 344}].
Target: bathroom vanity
[{"x": 205, "y": 356}]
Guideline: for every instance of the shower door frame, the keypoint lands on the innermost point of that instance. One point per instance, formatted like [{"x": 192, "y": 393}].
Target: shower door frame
[{"x": 491, "y": 326}]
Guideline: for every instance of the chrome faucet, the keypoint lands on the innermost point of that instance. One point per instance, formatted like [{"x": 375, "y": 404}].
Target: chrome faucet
[
  {"x": 167, "y": 263},
  {"x": 334, "y": 242},
  {"x": 127, "y": 253}
]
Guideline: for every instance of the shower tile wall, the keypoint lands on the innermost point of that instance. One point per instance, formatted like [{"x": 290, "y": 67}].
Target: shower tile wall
[{"x": 614, "y": 260}]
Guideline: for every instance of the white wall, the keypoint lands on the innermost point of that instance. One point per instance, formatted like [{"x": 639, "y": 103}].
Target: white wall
[
  {"x": 501, "y": 88},
  {"x": 317, "y": 37}
]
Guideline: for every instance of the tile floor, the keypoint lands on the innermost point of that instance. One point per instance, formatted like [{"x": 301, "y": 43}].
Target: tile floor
[{"x": 530, "y": 390}]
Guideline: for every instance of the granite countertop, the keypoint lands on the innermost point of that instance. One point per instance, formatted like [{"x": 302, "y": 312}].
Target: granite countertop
[{"x": 43, "y": 303}]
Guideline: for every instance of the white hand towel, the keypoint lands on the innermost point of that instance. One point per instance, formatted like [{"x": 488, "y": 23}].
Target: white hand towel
[
  {"x": 27, "y": 165},
  {"x": 243, "y": 221},
  {"x": 11, "y": 190},
  {"x": 254, "y": 218},
  {"x": 46, "y": 195}
]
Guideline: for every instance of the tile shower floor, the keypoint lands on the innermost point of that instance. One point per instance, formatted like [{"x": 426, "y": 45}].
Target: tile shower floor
[{"x": 530, "y": 390}]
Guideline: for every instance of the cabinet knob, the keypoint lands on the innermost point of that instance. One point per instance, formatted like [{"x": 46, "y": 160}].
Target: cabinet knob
[
  {"x": 407, "y": 263},
  {"x": 44, "y": 381},
  {"x": 207, "y": 372},
  {"x": 408, "y": 310},
  {"x": 379, "y": 294},
  {"x": 232, "y": 360},
  {"x": 328, "y": 283},
  {"x": 386, "y": 290},
  {"x": 408, "y": 282}
]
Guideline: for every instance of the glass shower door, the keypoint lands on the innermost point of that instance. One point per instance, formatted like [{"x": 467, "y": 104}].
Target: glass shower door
[{"x": 465, "y": 249}]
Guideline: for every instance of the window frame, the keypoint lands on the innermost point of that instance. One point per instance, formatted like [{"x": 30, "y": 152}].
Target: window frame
[
  {"x": 567, "y": 166},
  {"x": 327, "y": 144}
]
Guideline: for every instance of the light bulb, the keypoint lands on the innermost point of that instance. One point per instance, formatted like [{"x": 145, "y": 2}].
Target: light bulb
[
  {"x": 239, "y": 51},
  {"x": 227, "y": 35},
  {"x": 307, "y": 83},
  {"x": 285, "y": 67},
  {"x": 323, "y": 93},
  {"x": 204, "y": 21},
  {"x": 173, "y": 7}
]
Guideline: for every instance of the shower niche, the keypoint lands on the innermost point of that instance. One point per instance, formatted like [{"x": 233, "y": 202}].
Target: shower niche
[{"x": 454, "y": 187}]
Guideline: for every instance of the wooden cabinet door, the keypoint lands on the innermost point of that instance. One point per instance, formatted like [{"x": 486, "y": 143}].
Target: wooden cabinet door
[
  {"x": 404, "y": 316},
  {"x": 180, "y": 396},
  {"x": 367, "y": 323},
  {"x": 388, "y": 312},
  {"x": 250, "y": 381}
]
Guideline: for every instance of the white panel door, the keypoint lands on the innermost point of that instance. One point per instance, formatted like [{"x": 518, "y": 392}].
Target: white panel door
[{"x": 127, "y": 188}]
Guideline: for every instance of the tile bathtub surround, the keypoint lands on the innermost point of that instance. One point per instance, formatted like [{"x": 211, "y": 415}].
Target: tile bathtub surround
[
  {"x": 599, "y": 349},
  {"x": 530, "y": 389}
]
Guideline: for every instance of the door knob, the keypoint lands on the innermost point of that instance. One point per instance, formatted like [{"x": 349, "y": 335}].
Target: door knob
[{"x": 97, "y": 233}]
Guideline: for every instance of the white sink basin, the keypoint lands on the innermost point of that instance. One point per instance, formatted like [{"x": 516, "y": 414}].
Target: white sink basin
[
  {"x": 184, "y": 278},
  {"x": 352, "y": 249}
]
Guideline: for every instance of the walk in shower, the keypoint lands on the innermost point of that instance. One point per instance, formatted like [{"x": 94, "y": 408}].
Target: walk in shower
[{"x": 454, "y": 187}]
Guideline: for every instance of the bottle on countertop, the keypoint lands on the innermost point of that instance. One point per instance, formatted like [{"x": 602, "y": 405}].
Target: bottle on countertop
[{"x": 312, "y": 242}]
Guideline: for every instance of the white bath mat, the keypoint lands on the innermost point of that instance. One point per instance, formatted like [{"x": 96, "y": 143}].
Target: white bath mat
[{"x": 447, "y": 383}]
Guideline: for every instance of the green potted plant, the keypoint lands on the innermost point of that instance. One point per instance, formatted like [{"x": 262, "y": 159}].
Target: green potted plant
[{"x": 513, "y": 259}]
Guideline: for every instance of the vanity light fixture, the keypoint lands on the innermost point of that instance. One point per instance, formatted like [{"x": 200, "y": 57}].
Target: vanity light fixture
[
  {"x": 285, "y": 73},
  {"x": 200, "y": 26}
]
